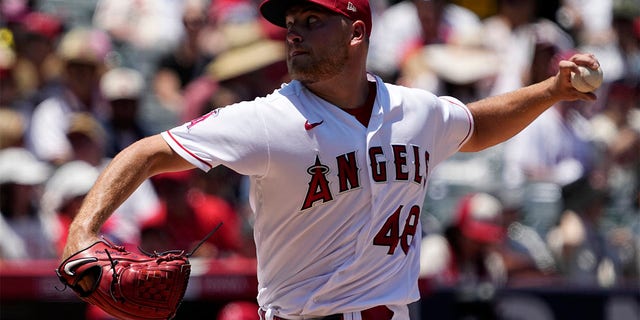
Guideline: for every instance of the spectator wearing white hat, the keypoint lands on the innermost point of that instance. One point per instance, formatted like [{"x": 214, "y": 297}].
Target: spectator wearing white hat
[
  {"x": 123, "y": 89},
  {"x": 63, "y": 195},
  {"x": 24, "y": 230}
]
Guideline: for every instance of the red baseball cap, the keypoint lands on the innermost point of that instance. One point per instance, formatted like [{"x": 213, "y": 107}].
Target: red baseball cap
[
  {"x": 275, "y": 10},
  {"x": 479, "y": 217},
  {"x": 43, "y": 24}
]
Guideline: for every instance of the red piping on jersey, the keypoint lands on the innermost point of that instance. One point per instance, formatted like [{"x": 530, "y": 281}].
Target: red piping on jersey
[
  {"x": 187, "y": 151},
  {"x": 468, "y": 117}
]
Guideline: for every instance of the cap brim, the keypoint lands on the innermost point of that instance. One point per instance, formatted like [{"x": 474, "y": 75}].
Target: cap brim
[{"x": 274, "y": 11}]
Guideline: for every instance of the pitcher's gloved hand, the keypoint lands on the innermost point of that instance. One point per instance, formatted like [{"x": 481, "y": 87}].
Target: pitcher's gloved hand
[{"x": 129, "y": 285}]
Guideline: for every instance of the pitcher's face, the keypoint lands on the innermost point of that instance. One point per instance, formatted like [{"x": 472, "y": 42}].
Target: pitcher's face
[{"x": 317, "y": 43}]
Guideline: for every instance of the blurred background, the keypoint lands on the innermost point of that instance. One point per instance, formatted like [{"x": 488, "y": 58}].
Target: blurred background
[{"x": 543, "y": 226}]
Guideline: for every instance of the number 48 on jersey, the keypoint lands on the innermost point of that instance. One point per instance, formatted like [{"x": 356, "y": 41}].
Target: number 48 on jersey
[{"x": 391, "y": 234}]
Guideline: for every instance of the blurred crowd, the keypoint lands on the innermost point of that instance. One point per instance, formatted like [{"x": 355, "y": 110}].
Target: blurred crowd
[{"x": 81, "y": 80}]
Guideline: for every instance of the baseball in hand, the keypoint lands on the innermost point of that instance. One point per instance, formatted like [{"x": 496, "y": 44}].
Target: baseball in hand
[{"x": 587, "y": 80}]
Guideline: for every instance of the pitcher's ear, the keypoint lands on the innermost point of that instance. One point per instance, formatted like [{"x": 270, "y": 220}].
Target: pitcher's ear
[{"x": 359, "y": 30}]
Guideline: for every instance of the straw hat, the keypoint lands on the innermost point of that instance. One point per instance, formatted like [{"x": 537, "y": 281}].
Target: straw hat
[
  {"x": 246, "y": 59},
  {"x": 84, "y": 123},
  {"x": 248, "y": 50},
  {"x": 453, "y": 63},
  {"x": 12, "y": 128},
  {"x": 84, "y": 45}
]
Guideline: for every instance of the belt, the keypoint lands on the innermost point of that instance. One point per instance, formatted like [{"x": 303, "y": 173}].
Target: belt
[{"x": 375, "y": 313}]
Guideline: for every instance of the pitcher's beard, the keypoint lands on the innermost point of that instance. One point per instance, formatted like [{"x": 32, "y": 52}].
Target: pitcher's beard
[{"x": 307, "y": 70}]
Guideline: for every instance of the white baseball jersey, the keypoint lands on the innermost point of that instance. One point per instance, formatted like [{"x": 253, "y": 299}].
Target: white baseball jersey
[{"x": 336, "y": 203}]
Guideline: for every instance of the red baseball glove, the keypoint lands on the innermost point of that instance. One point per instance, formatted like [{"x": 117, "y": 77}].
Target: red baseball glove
[{"x": 129, "y": 285}]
